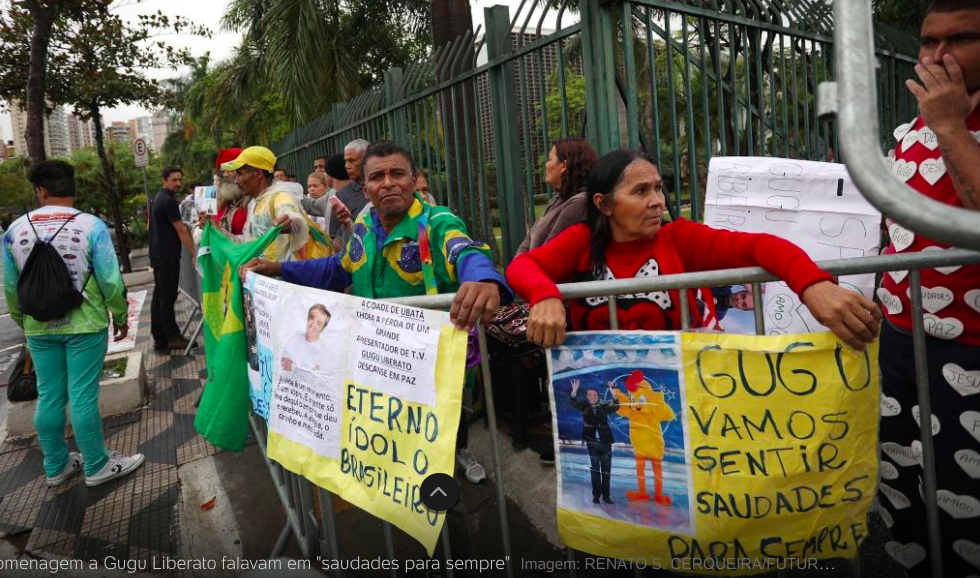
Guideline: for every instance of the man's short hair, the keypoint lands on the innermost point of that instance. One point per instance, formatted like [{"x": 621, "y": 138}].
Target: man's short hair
[
  {"x": 57, "y": 177},
  {"x": 321, "y": 308},
  {"x": 944, "y": 6},
  {"x": 358, "y": 145},
  {"x": 169, "y": 170},
  {"x": 385, "y": 148},
  {"x": 323, "y": 158}
]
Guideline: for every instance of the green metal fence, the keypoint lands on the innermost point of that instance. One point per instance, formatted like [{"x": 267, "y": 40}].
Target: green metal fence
[{"x": 683, "y": 80}]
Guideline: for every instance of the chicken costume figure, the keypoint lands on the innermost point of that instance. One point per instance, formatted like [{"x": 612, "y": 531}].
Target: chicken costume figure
[{"x": 645, "y": 409}]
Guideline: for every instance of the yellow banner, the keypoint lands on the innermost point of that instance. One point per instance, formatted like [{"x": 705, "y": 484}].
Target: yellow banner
[
  {"x": 373, "y": 440},
  {"x": 728, "y": 454}
]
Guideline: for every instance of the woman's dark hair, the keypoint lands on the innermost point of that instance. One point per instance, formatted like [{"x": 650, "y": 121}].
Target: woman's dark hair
[
  {"x": 580, "y": 157},
  {"x": 604, "y": 177}
]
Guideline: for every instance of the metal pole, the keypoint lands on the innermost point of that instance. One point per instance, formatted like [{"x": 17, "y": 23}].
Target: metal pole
[
  {"x": 760, "y": 320},
  {"x": 498, "y": 467},
  {"x": 854, "y": 99},
  {"x": 929, "y": 484},
  {"x": 390, "y": 546},
  {"x": 146, "y": 191},
  {"x": 685, "y": 309},
  {"x": 280, "y": 546},
  {"x": 446, "y": 549},
  {"x": 329, "y": 523}
]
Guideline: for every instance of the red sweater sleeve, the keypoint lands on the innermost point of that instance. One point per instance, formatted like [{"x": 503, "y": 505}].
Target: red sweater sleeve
[
  {"x": 703, "y": 248},
  {"x": 533, "y": 275}
]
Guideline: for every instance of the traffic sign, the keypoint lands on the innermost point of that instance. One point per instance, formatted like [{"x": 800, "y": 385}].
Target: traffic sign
[{"x": 141, "y": 152}]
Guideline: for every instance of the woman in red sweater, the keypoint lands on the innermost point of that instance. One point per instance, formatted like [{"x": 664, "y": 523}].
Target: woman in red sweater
[{"x": 624, "y": 237}]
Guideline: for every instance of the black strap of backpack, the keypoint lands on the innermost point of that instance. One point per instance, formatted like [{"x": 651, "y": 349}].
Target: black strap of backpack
[{"x": 91, "y": 270}]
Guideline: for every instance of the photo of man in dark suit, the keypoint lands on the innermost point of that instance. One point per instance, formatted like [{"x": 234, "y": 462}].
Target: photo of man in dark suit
[{"x": 597, "y": 437}]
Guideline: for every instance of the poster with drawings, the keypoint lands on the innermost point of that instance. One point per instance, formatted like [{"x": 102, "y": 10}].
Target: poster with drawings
[{"x": 812, "y": 204}]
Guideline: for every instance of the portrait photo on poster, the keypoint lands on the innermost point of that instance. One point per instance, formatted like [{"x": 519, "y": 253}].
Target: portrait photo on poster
[
  {"x": 735, "y": 307},
  {"x": 310, "y": 333},
  {"x": 621, "y": 429}
]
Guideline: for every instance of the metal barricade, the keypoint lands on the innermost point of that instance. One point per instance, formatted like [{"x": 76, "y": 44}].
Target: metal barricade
[
  {"x": 189, "y": 285},
  {"x": 853, "y": 99},
  {"x": 320, "y": 538}
]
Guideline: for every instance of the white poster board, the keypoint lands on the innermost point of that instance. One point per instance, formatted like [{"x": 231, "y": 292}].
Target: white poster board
[
  {"x": 812, "y": 204},
  {"x": 206, "y": 199},
  {"x": 391, "y": 347}
]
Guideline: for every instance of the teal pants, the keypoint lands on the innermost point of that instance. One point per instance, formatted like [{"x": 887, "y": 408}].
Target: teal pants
[{"x": 68, "y": 370}]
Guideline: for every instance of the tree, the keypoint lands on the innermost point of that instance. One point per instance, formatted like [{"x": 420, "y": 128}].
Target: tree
[
  {"x": 96, "y": 60},
  {"x": 313, "y": 53},
  {"x": 44, "y": 14}
]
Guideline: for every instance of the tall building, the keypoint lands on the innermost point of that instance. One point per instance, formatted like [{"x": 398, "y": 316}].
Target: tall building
[
  {"x": 118, "y": 132},
  {"x": 161, "y": 127},
  {"x": 81, "y": 133},
  {"x": 142, "y": 127},
  {"x": 529, "y": 87},
  {"x": 56, "y": 140}
]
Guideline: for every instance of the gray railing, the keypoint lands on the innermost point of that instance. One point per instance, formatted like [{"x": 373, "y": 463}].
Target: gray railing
[
  {"x": 853, "y": 99},
  {"x": 189, "y": 285},
  {"x": 320, "y": 539}
]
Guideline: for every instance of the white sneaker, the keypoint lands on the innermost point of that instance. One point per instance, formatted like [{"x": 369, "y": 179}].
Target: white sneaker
[
  {"x": 116, "y": 467},
  {"x": 73, "y": 466},
  {"x": 472, "y": 469}
]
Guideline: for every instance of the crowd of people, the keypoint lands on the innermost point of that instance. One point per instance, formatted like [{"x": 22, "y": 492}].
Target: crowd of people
[{"x": 606, "y": 220}]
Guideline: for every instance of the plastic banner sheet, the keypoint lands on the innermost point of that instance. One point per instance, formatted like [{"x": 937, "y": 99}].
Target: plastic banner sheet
[
  {"x": 362, "y": 397},
  {"x": 714, "y": 453}
]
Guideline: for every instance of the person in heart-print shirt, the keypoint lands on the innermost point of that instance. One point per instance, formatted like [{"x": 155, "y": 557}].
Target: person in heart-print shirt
[{"x": 938, "y": 155}]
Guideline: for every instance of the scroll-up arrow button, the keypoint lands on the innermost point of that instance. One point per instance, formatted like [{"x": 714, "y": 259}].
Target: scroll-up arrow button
[{"x": 440, "y": 492}]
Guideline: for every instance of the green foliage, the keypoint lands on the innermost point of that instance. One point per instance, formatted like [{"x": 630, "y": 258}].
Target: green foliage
[
  {"x": 905, "y": 15},
  {"x": 16, "y": 192},
  {"x": 92, "y": 196},
  {"x": 313, "y": 54}
]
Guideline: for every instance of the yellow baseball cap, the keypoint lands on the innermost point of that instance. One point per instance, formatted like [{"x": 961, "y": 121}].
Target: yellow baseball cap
[{"x": 258, "y": 157}]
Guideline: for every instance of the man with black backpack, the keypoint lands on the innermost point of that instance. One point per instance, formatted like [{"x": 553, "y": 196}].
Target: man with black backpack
[{"x": 60, "y": 276}]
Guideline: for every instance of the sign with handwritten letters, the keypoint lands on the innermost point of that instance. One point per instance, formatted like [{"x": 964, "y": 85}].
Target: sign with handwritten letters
[
  {"x": 812, "y": 204},
  {"x": 362, "y": 397},
  {"x": 714, "y": 453}
]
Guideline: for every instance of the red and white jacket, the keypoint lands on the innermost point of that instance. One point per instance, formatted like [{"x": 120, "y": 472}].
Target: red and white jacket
[{"x": 679, "y": 247}]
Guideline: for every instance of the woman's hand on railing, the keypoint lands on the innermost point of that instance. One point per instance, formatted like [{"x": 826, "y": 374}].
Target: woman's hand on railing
[
  {"x": 852, "y": 317},
  {"x": 546, "y": 323}
]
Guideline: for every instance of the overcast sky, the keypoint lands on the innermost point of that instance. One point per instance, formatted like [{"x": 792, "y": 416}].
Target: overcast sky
[{"x": 222, "y": 43}]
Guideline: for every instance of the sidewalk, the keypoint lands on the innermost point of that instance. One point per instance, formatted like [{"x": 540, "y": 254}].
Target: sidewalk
[{"x": 135, "y": 517}]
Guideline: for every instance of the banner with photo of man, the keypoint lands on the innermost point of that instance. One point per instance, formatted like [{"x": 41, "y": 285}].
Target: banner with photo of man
[
  {"x": 362, "y": 397},
  {"x": 683, "y": 448}
]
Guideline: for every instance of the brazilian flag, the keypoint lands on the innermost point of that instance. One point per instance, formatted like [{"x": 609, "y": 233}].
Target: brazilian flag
[{"x": 222, "y": 417}]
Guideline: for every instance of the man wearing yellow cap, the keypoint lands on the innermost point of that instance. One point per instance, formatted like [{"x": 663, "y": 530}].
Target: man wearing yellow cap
[{"x": 271, "y": 205}]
